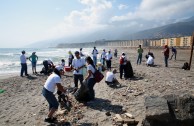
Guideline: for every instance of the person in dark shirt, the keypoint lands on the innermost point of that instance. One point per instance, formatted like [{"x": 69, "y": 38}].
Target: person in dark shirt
[
  {"x": 174, "y": 52},
  {"x": 166, "y": 55}
]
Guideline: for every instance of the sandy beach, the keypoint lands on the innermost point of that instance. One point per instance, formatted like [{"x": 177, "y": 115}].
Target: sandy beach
[{"x": 23, "y": 104}]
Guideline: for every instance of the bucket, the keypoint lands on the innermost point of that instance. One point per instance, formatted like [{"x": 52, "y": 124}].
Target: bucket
[{"x": 67, "y": 68}]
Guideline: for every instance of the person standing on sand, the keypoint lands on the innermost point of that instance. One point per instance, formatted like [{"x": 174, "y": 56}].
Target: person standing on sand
[
  {"x": 166, "y": 55},
  {"x": 23, "y": 64},
  {"x": 70, "y": 59},
  {"x": 174, "y": 52},
  {"x": 90, "y": 78},
  {"x": 95, "y": 53},
  {"x": 80, "y": 52},
  {"x": 108, "y": 58},
  {"x": 103, "y": 57},
  {"x": 140, "y": 53},
  {"x": 123, "y": 63},
  {"x": 77, "y": 64},
  {"x": 115, "y": 53},
  {"x": 53, "y": 81},
  {"x": 33, "y": 58}
]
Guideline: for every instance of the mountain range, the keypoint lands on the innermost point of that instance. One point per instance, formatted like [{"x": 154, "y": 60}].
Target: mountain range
[{"x": 182, "y": 28}]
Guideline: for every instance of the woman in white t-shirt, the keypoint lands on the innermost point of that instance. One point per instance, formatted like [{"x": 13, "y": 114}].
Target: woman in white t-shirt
[
  {"x": 90, "y": 78},
  {"x": 53, "y": 81}
]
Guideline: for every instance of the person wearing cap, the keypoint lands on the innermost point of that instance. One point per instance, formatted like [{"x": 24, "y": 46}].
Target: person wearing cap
[
  {"x": 23, "y": 64},
  {"x": 33, "y": 58},
  {"x": 53, "y": 81},
  {"x": 140, "y": 53},
  {"x": 78, "y": 64},
  {"x": 123, "y": 62},
  {"x": 95, "y": 53},
  {"x": 110, "y": 77},
  {"x": 103, "y": 57},
  {"x": 108, "y": 58},
  {"x": 70, "y": 59}
]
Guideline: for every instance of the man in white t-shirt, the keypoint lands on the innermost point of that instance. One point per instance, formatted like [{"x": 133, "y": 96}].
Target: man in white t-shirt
[
  {"x": 23, "y": 64},
  {"x": 103, "y": 57},
  {"x": 108, "y": 58},
  {"x": 95, "y": 53},
  {"x": 78, "y": 64},
  {"x": 110, "y": 77}
]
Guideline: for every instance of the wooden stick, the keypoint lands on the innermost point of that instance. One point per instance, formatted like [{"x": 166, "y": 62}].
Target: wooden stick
[{"x": 191, "y": 55}]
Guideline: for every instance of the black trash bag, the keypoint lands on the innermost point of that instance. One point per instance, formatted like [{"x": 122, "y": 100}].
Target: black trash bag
[
  {"x": 129, "y": 70},
  {"x": 185, "y": 66},
  {"x": 83, "y": 94}
]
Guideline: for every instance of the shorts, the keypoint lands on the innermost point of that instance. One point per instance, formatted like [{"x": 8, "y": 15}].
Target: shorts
[
  {"x": 51, "y": 99},
  {"x": 33, "y": 64}
]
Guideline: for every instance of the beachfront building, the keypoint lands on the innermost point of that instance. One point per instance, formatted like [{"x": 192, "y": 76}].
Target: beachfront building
[
  {"x": 173, "y": 42},
  {"x": 185, "y": 41},
  {"x": 164, "y": 42},
  {"x": 155, "y": 43}
]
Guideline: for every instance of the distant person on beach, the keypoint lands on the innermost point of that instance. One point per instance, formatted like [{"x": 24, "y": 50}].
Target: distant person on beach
[
  {"x": 95, "y": 53},
  {"x": 80, "y": 52},
  {"x": 174, "y": 52},
  {"x": 53, "y": 81},
  {"x": 103, "y": 57},
  {"x": 108, "y": 58},
  {"x": 78, "y": 64},
  {"x": 23, "y": 64},
  {"x": 70, "y": 59},
  {"x": 115, "y": 53},
  {"x": 33, "y": 58},
  {"x": 166, "y": 55},
  {"x": 123, "y": 62},
  {"x": 63, "y": 63},
  {"x": 110, "y": 77},
  {"x": 90, "y": 78},
  {"x": 140, "y": 53}
]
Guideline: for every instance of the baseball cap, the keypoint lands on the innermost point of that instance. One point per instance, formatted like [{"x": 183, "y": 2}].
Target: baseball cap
[
  {"x": 76, "y": 52},
  {"x": 59, "y": 68}
]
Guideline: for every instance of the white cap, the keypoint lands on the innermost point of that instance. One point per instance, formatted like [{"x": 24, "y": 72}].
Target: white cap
[{"x": 59, "y": 68}]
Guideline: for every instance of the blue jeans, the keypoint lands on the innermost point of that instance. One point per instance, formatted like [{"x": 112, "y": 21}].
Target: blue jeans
[
  {"x": 51, "y": 99},
  {"x": 23, "y": 69},
  {"x": 139, "y": 59},
  {"x": 166, "y": 60},
  {"x": 95, "y": 60}
]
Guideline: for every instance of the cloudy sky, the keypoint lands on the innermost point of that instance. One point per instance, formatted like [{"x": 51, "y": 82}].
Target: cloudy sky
[{"x": 26, "y": 21}]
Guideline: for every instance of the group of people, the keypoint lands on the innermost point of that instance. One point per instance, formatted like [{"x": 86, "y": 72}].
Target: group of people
[{"x": 78, "y": 64}]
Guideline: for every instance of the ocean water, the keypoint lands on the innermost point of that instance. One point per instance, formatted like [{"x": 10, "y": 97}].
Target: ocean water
[{"x": 10, "y": 57}]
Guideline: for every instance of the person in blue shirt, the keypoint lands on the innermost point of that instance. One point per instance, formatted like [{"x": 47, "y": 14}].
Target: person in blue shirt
[
  {"x": 33, "y": 58},
  {"x": 174, "y": 52}
]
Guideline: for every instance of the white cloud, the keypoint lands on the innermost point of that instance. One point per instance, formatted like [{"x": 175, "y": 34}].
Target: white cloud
[{"x": 122, "y": 7}]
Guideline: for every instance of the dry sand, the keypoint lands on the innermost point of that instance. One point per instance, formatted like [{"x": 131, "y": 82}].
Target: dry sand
[{"x": 22, "y": 102}]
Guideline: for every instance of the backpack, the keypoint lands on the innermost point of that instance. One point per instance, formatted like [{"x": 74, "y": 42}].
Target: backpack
[{"x": 98, "y": 76}]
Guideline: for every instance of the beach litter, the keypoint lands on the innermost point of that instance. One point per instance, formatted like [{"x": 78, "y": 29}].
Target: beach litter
[{"x": 2, "y": 91}]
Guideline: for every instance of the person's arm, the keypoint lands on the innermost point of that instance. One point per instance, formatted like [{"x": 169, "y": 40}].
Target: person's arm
[
  {"x": 36, "y": 58},
  {"x": 29, "y": 58},
  {"x": 89, "y": 74},
  {"x": 60, "y": 88}
]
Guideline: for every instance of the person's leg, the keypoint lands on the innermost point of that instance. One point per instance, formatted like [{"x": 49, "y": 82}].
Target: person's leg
[
  {"x": 175, "y": 56},
  {"x": 166, "y": 61},
  {"x": 26, "y": 69},
  {"x": 121, "y": 71},
  {"x": 107, "y": 64},
  {"x": 110, "y": 64},
  {"x": 137, "y": 59},
  {"x": 81, "y": 78},
  {"x": 125, "y": 71},
  {"x": 171, "y": 56},
  {"x": 76, "y": 80},
  {"x": 22, "y": 69},
  {"x": 140, "y": 57}
]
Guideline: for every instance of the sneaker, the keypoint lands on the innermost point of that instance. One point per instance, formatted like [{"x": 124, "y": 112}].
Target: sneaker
[
  {"x": 50, "y": 120},
  {"x": 27, "y": 74}
]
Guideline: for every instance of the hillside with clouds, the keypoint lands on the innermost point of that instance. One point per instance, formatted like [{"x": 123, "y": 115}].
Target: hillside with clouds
[{"x": 90, "y": 20}]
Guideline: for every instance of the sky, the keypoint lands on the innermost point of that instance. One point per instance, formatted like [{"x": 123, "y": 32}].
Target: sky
[{"x": 23, "y": 22}]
